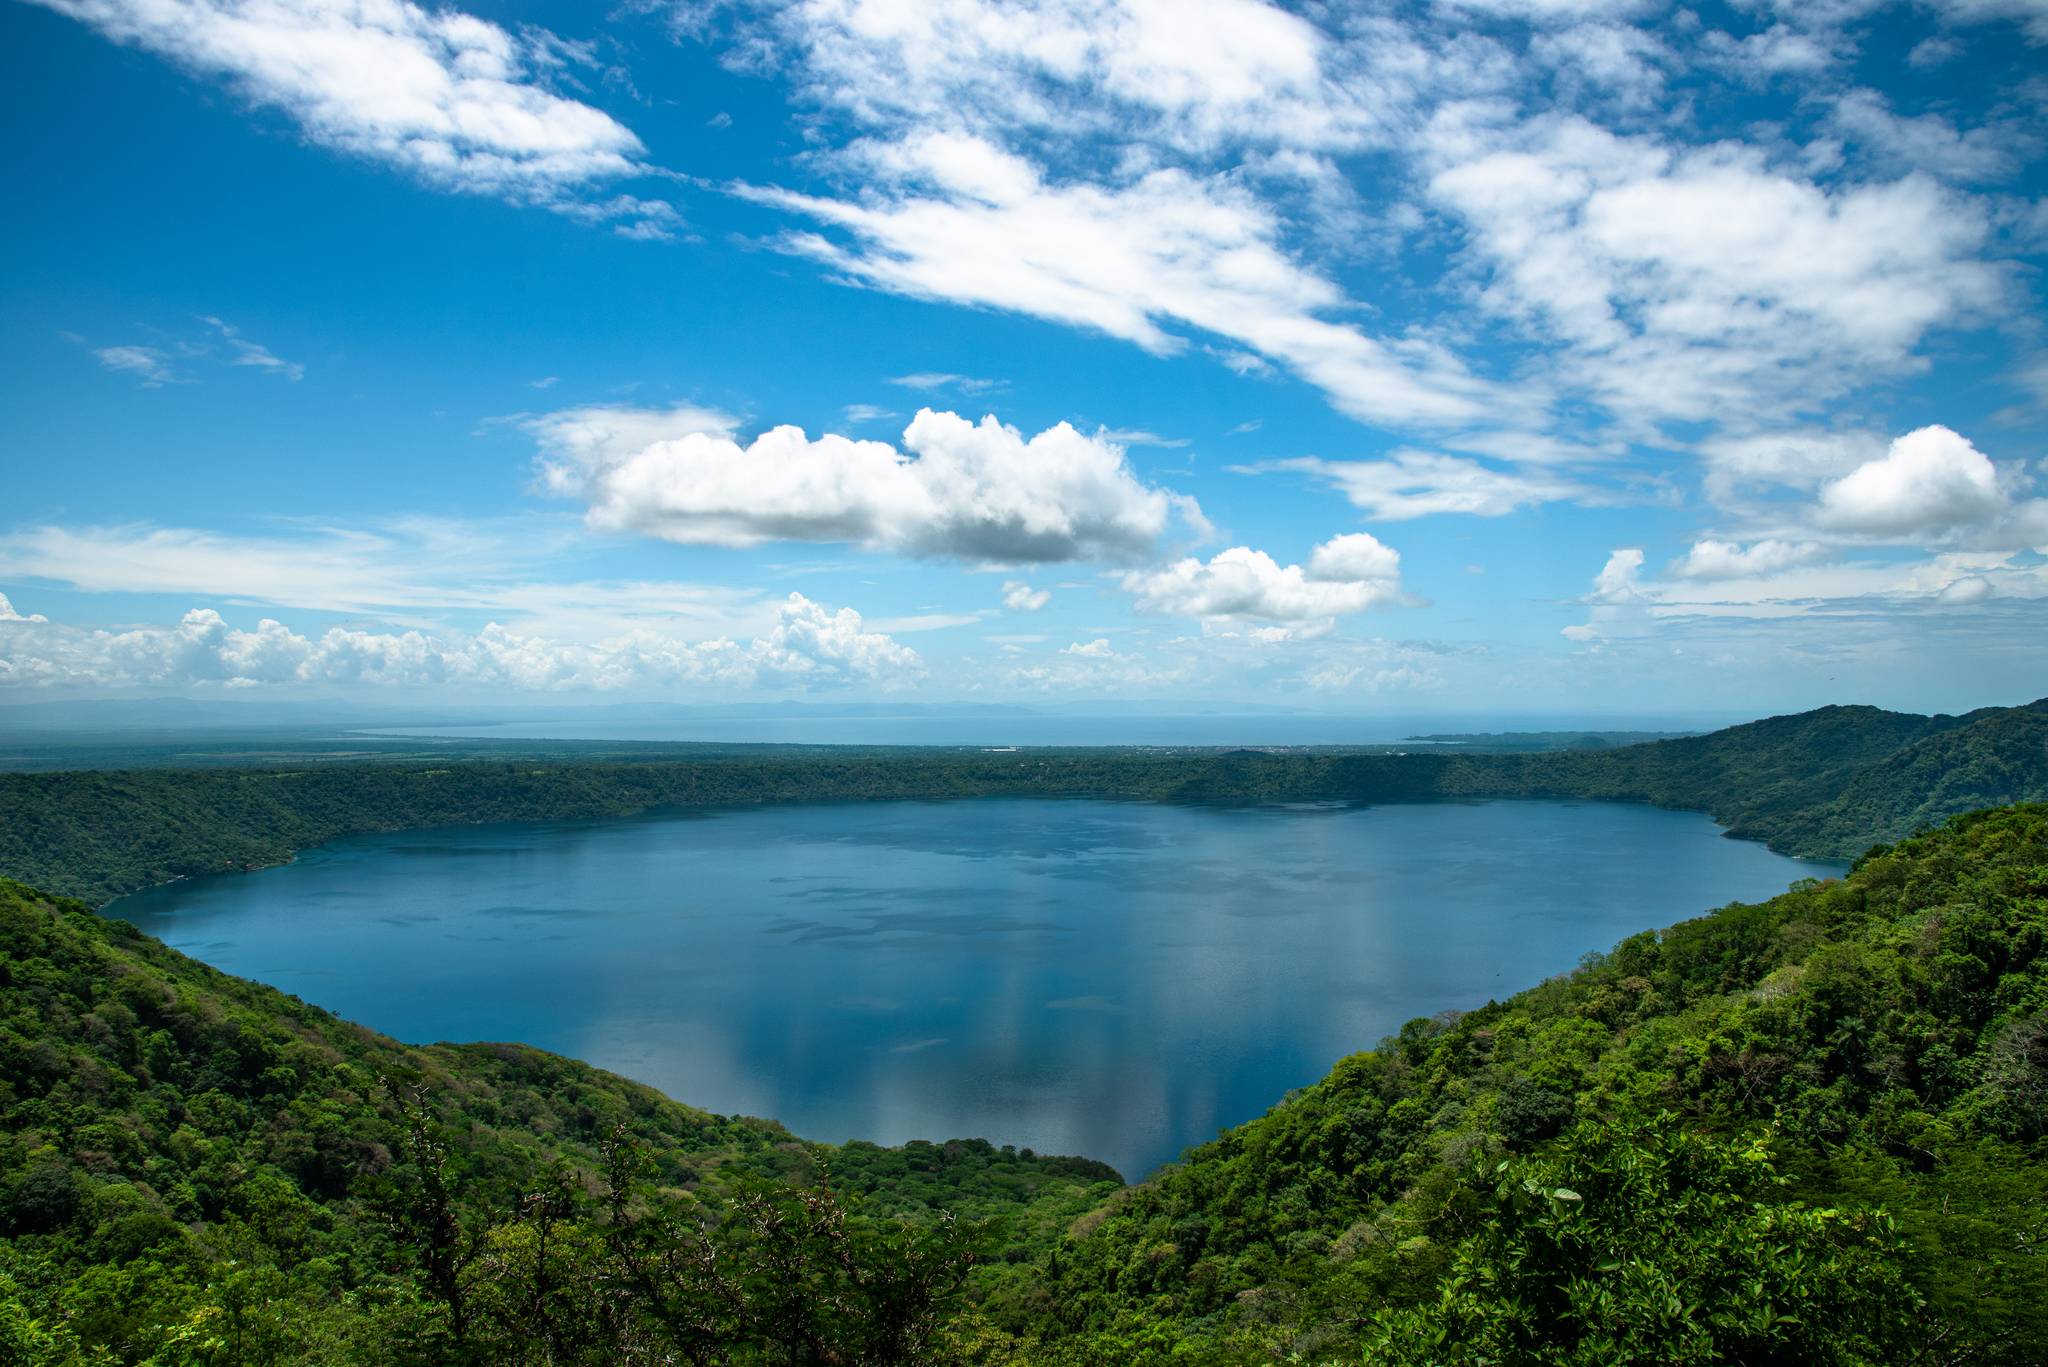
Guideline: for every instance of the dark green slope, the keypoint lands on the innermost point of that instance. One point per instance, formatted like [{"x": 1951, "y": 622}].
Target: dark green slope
[
  {"x": 1751, "y": 778},
  {"x": 1813, "y": 1130},
  {"x": 186, "y": 1157},
  {"x": 1992, "y": 759}
]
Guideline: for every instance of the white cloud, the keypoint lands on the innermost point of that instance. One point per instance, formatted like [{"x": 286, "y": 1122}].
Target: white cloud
[
  {"x": 2030, "y": 15},
  {"x": 1093, "y": 666},
  {"x": 1967, "y": 591},
  {"x": 1412, "y": 484},
  {"x": 1019, "y": 596},
  {"x": 1138, "y": 436},
  {"x": 860, "y": 413},
  {"x": 1712, "y": 558},
  {"x": 8, "y": 614},
  {"x": 958, "y": 219},
  {"x": 1927, "y": 142},
  {"x": 1933, "y": 52},
  {"x": 1780, "y": 50},
  {"x": 453, "y": 100},
  {"x": 1614, "y": 59},
  {"x": 808, "y": 647},
  {"x": 1617, "y": 599},
  {"x": 1683, "y": 285},
  {"x": 1930, "y": 482},
  {"x": 1347, "y": 574},
  {"x": 940, "y": 379},
  {"x": 244, "y": 352},
  {"x": 416, "y": 572},
  {"x": 220, "y": 343},
  {"x": 150, "y": 366},
  {"x": 1798, "y": 459},
  {"x": 1551, "y": 11},
  {"x": 1191, "y": 74},
  {"x": 972, "y": 491},
  {"x": 1617, "y": 580}
]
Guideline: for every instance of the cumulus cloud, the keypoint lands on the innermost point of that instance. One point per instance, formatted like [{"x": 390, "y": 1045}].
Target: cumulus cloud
[
  {"x": 8, "y": 614},
  {"x": 1019, "y": 596},
  {"x": 973, "y": 491},
  {"x": 1711, "y": 558},
  {"x": 1930, "y": 482},
  {"x": 1616, "y": 582},
  {"x": 1966, "y": 591},
  {"x": 810, "y": 646},
  {"x": 455, "y": 101},
  {"x": 1179, "y": 176},
  {"x": 1347, "y": 574},
  {"x": 1617, "y": 598},
  {"x": 1412, "y": 484}
]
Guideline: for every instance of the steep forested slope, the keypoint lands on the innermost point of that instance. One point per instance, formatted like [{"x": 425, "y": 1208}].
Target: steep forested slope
[
  {"x": 1987, "y": 760},
  {"x": 1813, "y": 1130},
  {"x": 1823, "y": 784},
  {"x": 197, "y": 1169}
]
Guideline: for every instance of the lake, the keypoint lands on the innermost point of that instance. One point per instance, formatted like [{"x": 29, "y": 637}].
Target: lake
[{"x": 1118, "y": 980}]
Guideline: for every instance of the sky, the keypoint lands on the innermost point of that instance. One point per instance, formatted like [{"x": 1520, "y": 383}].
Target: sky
[{"x": 1600, "y": 356}]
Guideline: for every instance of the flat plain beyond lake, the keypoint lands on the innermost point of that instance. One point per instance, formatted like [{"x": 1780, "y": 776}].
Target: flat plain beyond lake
[{"x": 1117, "y": 980}]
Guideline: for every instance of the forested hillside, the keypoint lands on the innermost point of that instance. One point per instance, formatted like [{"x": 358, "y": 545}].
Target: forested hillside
[
  {"x": 1821, "y": 784},
  {"x": 197, "y": 1169},
  {"x": 1813, "y": 1130}
]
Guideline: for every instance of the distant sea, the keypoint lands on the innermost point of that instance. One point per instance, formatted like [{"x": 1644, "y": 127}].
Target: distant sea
[{"x": 1001, "y": 729}]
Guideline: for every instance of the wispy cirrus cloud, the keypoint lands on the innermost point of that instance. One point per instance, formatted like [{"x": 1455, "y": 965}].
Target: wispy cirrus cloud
[
  {"x": 416, "y": 572},
  {"x": 173, "y": 356},
  {"x": 954, "y": 217},
  {"x": 150, "y": 366},
  {"x": 456, "y": 102},
  {"x": 1410, "y": 484}
]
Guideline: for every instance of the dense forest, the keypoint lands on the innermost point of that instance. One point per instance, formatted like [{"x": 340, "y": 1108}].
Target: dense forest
[
  {"x": 198, "y": 1170},
  {"x": 1821, "y": 784},
  {"x": 1812, "y": 1130}
]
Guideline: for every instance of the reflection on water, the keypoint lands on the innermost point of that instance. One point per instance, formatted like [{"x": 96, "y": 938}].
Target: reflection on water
[{"x": 1117, "y": 980}]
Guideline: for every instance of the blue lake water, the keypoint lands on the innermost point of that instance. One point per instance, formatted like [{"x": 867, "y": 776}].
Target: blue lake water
[{"x": 1118, "y": 980}]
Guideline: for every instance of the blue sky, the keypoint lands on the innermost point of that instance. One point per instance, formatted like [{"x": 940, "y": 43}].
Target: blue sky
[{"x": 1517, "y": 355}]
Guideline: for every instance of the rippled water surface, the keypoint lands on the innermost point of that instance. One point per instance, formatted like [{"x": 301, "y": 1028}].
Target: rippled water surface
[{"x": 1118, "y": 980}]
